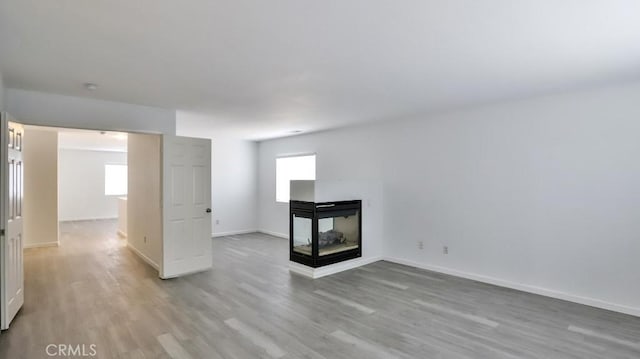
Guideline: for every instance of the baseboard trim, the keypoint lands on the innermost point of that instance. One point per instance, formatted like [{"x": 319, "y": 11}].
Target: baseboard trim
[
  {"x": 163, "y": 277},
  {"x": 122, "y": 234},
  {"x": 143, "y": 257},
  {"x": 88, "y": 219},
  {"x": 315, "y": 273},
  {"x": 275, "y": 234},
  {"x": 231, "y": 233},
  {"x": 42, "y": 245},
  {"x": 521, "y": 287}
]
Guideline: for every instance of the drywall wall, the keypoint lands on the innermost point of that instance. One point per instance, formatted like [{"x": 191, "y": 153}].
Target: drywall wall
[
  {"x": 122, "y": 216},
  {"x": 40, "y": 188},
  {"x": 302, "y": 190},
  {"x": 233, "y": 186},
  {"x": 144, "y": 201},
  {"x": 233, "y": 178},
  {"x": 81, "y": 175},
  {"x": 342, "y": 155},
  {"x": 39, "y": 108},
  {"x": 539, "y": 194}
]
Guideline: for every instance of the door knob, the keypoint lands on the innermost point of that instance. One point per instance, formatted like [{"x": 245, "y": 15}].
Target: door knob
[{"x": 208, "y": 210}]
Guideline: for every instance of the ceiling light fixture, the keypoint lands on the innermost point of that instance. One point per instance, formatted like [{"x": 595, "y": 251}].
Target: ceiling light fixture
[{"x": 90, "y": 86}]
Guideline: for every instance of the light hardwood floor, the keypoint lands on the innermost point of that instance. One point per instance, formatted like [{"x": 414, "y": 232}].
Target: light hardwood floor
[{"x": 93, "y": 290}]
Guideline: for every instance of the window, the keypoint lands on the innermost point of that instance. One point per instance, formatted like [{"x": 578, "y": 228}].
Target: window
[
  {"x": 115, "y": 180},
  {"x": 293, "y": 168}
]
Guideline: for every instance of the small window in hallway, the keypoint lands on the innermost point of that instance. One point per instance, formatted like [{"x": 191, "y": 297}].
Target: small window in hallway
[
  {"x": 293, "y": 168},
  {"x": 115, "y": 180}
]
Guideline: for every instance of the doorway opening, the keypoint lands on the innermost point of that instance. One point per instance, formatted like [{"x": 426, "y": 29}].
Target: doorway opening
[
  {"x": 75, "y": 187},
  {"x": 167, "y": 222}
]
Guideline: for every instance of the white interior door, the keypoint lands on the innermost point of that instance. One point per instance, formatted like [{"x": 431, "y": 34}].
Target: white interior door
[
  {"x": 186, "y": 193},
  {"x": 12, "y": 271}
]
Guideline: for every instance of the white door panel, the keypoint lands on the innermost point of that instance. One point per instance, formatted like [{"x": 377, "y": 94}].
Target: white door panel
[
  {"x": 11, "y": 246},
  {"x": 186, "y": 200}
]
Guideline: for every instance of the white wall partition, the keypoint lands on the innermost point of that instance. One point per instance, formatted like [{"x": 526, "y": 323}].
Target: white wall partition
[
  {"x": 540, "y": 194},
  {"x": 40, "y": 188},
  {"x": 144, "y": 201}
]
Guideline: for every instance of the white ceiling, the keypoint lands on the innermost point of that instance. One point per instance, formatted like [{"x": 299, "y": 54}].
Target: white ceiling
[
  {"x": 75, "y": 139},
  {"x": 265, "y": 68},
  {"x": 92, "y": 140}
]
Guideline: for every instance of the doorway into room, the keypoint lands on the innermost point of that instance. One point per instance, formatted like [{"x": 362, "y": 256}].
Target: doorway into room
[
  {"x": 74, "y": 244},
  {"x": 75, "y": 184}
]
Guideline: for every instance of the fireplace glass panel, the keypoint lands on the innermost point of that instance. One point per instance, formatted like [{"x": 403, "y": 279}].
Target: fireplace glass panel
[
  {"x": 324, "y": 233},
  {"x": 302, "y": 234},
  {"x": 338, "y": 233}
]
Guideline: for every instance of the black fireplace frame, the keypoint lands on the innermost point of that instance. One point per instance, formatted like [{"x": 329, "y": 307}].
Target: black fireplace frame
[{"x": 315, "y": 211}]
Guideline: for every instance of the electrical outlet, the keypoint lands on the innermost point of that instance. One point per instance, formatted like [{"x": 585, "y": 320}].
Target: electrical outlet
[
  {"x": 217, "y": 221},
  {"x": 445, "y": 249},
  {"x": 420, "y": 244}
]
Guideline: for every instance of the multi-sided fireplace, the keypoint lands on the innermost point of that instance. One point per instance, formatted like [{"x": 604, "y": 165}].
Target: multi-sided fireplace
[{"x": 325, "y": 233}]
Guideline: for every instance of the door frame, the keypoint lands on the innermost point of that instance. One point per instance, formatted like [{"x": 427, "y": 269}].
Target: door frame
[
  {"x": 4, "y": 118},
  {"x": 3, "y": 210}
]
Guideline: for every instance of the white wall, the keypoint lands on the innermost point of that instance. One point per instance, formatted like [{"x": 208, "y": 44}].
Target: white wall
[
  {"x": 371, "y": 195},
  {"x": 540, "y": 194},
  {"x": 2, "y": 93},
  {"x": 234, "y": 186},
  {"x": 144, "y": 201},
  {"x": 39, "y": 108},
  {"x": 233, "y": 178},
  {"x": 81, "y": 174},
  {"x": 40, "y": 188}
]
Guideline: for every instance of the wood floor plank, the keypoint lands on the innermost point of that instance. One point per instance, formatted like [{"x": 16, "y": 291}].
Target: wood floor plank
[
  {"x": 172, "y": 347},
  {"x": 362, "y": 346},
  {"x": 471, "y": 317},
  {"x": 256, "y": 338},
  {"x": 388, "y": 283},
  {"x": 344, "y": 301},
  {"x": 594, "y": 334}
]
